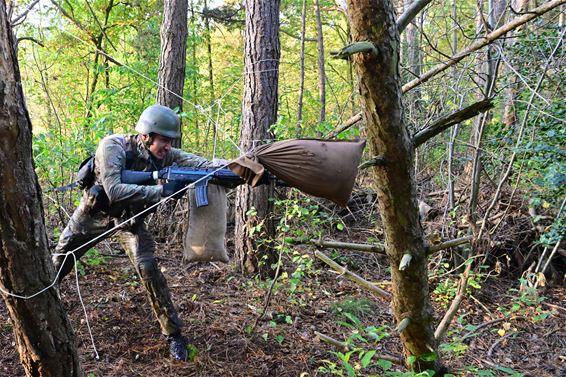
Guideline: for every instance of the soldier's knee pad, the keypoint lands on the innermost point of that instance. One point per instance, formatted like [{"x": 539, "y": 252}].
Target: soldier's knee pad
[{"x": 147, "y": 269}]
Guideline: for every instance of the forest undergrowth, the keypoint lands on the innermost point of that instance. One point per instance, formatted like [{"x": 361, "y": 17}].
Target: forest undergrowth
[{"x": 505, "y": 327}]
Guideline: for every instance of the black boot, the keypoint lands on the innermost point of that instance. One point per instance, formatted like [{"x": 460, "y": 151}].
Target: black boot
[{"x": 177, "y": 347}]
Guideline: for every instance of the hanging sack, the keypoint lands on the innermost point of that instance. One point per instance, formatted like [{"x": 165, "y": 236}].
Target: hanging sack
[{"x": 205, "y": 238}]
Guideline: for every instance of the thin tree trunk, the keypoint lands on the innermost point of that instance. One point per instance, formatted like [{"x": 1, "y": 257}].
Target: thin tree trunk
[
  {"x": 194, "y": 76},
  {"x": 379, "y": 82},
  {"x": 211, "y": 93},
  {"x": 44, "y": 336},
  {"x": 254, "y": 225},
  {"x": 298, "y": 130},
  {"x": 321, "y": 70},
  {"x": 172, "y": 59},
  {"x": 454, "y": 132}
]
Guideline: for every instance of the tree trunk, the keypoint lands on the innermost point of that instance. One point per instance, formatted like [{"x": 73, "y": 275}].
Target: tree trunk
[
  {"x": 44, "y": 336},
  {"x": 254, "y": 225},
  {"x": 379, "y": 82},
  {"x": 298, "y": 130},
  {"x": 321, "y": 70},
  {"x": 172, "y": 62},
  {"x": 194, "y": 76}
]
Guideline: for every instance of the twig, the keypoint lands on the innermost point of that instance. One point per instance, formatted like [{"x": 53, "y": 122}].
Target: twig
[
  {"x": 498, "y": 341},
  {"x": 352, "y": 276},
  {"x": 487, "y": 324},
  {"x": 372, "y": 248},
  {"x": 448, "y": 244},
  {"x": 345, "y": 347},
  {"x": 344, "y": 126},
  {"x": 483, "y": 41}
]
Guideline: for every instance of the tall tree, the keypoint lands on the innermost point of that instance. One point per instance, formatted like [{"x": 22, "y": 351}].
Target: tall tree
[
  {"x": 380, "y": 92},
  {"x": 172, "y": 60},
  {"x": 321, "y": 70},
  {"x": 44, "y": 336},
  {"x": 298, "y": 131},
  {"x": 259, "y": 112}
]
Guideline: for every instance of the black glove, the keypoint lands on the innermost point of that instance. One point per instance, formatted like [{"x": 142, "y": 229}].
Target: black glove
[{"x": 172, "y": 187}]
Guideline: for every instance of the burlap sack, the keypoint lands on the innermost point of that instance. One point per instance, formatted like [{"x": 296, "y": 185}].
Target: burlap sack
[
  {"x": 205, "y": 238},
  {"x": 321, "y": 168}
]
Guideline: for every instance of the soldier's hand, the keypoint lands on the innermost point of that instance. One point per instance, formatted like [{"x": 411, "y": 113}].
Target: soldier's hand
[{"x": 172, "y": 188}]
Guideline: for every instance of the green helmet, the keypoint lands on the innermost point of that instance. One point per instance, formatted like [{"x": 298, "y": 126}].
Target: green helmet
[{"x": 160, "y": 120}]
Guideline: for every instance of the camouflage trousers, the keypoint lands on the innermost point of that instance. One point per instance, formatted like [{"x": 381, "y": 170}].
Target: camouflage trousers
[{"x": 87, "y": 224}]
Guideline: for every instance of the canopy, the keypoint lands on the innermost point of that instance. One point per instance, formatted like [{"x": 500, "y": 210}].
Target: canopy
[{"x": 321, "y": 168}]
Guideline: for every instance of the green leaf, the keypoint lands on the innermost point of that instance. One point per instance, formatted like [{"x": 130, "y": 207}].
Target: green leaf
[
  {"x": 384, "y": 364},
  {"x": 366, "y": 359}
]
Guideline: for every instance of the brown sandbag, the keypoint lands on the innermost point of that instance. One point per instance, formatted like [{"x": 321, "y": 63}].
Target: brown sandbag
[
  {"x": 321, "y": 168},
  {"x": 205, "y": 238}
]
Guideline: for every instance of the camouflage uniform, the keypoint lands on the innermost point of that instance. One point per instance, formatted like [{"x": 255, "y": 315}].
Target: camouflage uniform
[{"x": 125, "y": 200}]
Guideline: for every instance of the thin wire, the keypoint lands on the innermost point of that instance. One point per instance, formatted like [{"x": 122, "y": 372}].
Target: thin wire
[
  {"x": 72, "y": 253},
  {"x": 84, "y": 308}
]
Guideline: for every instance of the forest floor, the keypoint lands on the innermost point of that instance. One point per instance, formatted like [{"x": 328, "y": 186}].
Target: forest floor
[{"x": 219, "y": 308}]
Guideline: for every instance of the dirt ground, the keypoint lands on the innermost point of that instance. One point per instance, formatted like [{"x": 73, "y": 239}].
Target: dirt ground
[{"x": 220, "y": 307}]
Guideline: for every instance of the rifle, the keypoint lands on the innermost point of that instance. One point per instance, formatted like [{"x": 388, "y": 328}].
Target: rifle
[{"x": 202, "y": 176}]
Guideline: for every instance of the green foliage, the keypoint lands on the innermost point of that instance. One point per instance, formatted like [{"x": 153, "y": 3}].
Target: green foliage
[
  {"x": 358, "y": 307},
  {"x": 526, "y": 301},
  {"x": 192, "y": 352},
  {"x": 92, "y": 258}
]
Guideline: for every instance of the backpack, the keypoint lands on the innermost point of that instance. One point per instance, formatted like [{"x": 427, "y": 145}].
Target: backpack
[{"x": 86, "y": 175}]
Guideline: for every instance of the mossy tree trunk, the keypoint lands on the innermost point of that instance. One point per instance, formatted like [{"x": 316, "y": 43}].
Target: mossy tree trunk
[{"x": 380, "y": 91}]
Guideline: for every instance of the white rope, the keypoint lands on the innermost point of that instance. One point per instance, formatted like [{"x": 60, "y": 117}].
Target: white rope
[
  {"x": 72, "y": 253},
  {"x": 116, "y": 227}
]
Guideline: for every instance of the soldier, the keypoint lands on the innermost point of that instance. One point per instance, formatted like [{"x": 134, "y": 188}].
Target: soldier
[{"x": 109, "y": 202}]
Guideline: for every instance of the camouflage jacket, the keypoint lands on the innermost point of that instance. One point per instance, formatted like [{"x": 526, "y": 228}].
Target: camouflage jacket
[{"x": 110, "y": 160}]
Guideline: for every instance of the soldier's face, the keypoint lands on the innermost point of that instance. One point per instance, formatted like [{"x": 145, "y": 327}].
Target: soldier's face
[{"x": 160, "y": 146}]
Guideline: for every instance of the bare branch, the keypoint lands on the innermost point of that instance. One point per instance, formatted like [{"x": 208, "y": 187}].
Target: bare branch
[
  {"x": 29, "y": 39},
  {"x": 24, "y": 13},
  {"x": 353, "y": 277},
  {"x": 483, "y": 41},
  {"x": 372, "y": 248},
  {"x": 344, "y": 126},
  {"x": 408, "y": 15},
  {"x": 448, "y": 121}
]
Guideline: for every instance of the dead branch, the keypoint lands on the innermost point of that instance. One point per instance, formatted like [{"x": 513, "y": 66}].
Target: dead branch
[
  {"x": 345, "y": 347},
  {"x": 408, "y": 15},
  {"x": 489, "y": 323},
  {"x": 352, "y": 276},
  {"x": 483, "y": 41},
  {"x": 24, "y": 13},
  {"x": 380, "y": 248},
  {"x": 448, "y": 244},
  {"x": 327, "y": 339},
  {"x": 454, "y": 306},
  {"x": 29, "y": 39},
  {"x": 448, "y": 121},
  {"x": 344, "y": 126},
  {"x": 372, "y": 248}
]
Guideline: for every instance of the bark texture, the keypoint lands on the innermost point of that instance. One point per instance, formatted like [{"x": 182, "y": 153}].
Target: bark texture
[
  {"x": 380, "y": 91},
  {"x": 43, "y": 333},
  {"x": 172, "y": 62},
  {"x": 259, "y": 112}
]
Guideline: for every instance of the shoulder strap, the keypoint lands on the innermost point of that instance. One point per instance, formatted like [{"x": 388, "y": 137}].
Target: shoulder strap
[{"x": 130, "y": 155}]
